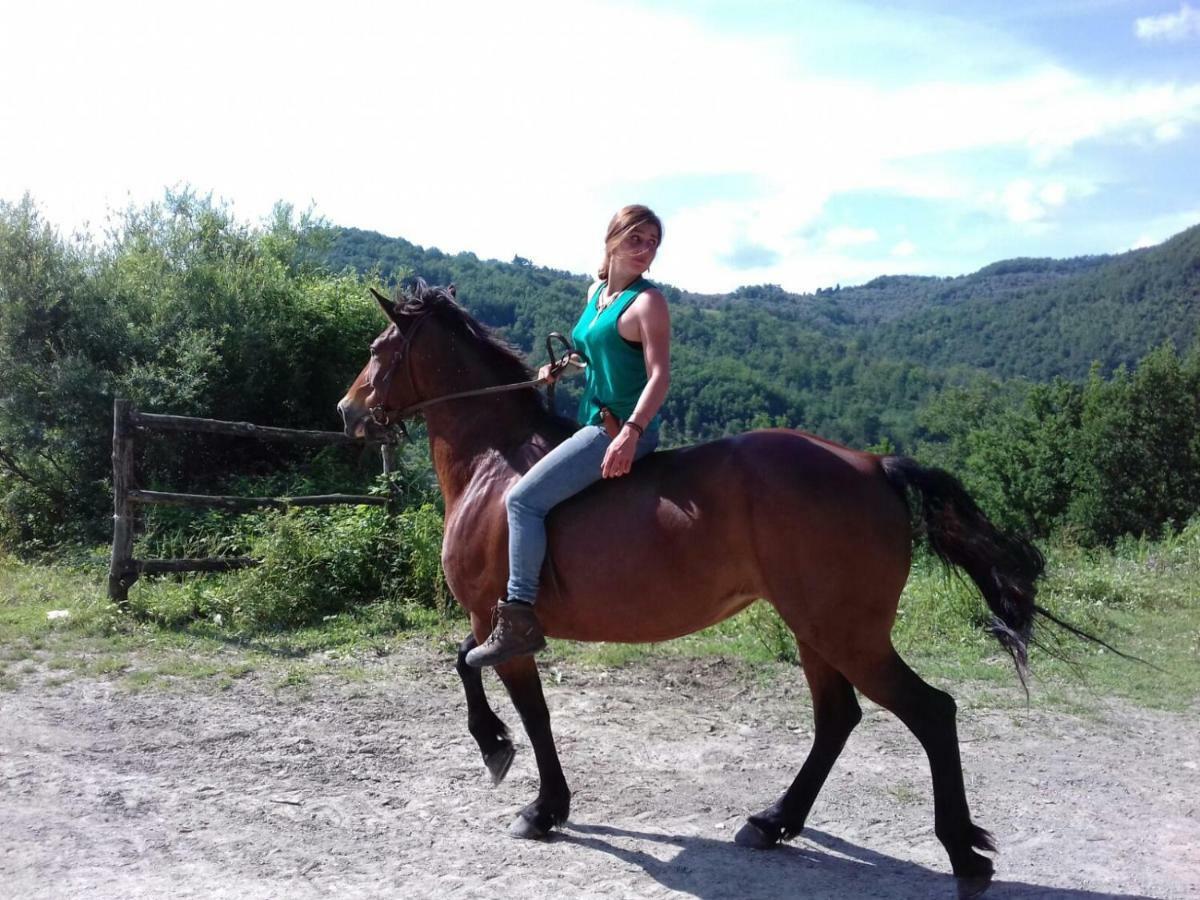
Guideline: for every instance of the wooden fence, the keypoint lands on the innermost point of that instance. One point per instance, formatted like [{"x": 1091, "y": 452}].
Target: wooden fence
[{"x": 128, "y": 423}]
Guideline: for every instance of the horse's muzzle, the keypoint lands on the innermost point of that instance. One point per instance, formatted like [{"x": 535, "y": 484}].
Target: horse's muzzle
[{"x": 359, "y": 423}]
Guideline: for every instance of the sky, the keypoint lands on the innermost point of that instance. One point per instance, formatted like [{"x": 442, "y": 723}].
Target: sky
[{"x": 791, "y": 143}]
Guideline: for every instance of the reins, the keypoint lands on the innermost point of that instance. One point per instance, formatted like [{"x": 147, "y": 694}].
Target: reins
[{"x": 385, "y": 417}]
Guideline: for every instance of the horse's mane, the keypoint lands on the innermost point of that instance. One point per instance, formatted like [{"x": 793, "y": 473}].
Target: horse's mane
[{"x": 415, "y": 298}]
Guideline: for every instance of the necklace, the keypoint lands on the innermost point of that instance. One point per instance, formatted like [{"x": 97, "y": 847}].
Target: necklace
[{"x": 605, "y": 300}]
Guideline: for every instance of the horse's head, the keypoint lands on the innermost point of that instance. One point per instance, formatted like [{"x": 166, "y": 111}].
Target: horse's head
[
  {"x": 386, "y": 386},
  {"x": 432, "y": 349}
]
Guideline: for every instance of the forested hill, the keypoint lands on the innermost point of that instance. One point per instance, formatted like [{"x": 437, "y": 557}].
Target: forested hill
[
  {"x": 1039, "y": 318},
  {"x": 1032, "y": 318}
]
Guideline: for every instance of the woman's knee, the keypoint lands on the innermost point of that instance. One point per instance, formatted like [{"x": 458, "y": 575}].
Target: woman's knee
[{"x": 518, "y": 502}]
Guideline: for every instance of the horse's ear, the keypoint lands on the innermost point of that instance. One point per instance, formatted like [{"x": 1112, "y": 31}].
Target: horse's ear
[
  {"x": 452, "y": 290},
  {"x": 390, "y": 309}
]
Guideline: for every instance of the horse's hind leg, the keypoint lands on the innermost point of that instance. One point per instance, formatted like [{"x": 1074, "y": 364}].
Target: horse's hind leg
[
  {"x": 553, "y": 802},
  {"x": 485, "y": 726},
  {"x": 835, "y": 713},
  {"x": 930, "y": 714}
]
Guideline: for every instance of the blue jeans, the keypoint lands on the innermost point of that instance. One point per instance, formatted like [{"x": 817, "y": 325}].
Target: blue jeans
[{"x": 563, "y": 472}]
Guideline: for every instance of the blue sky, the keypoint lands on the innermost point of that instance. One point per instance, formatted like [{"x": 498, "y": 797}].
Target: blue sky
[{"x": 792, "y": 143}]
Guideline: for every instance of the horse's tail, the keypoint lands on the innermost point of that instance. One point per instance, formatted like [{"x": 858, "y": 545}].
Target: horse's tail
[{"x": 1005, "y": 567}]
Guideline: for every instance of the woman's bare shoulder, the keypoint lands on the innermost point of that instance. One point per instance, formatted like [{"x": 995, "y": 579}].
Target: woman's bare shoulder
[{"x": 651, "y": 299}]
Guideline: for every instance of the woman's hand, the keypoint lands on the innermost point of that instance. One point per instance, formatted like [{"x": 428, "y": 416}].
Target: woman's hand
[
  {"x": 618, "y": 458},
  {"x": 547, "y": 374}
]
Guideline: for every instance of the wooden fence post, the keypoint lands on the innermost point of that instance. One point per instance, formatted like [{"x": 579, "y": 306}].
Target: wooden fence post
[{"x": 121, "y": 571}]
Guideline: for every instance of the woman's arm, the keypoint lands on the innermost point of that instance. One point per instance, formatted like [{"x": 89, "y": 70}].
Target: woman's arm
[
  {"x": 648, "y": 320},
  {"x": 653, "y": 320}
]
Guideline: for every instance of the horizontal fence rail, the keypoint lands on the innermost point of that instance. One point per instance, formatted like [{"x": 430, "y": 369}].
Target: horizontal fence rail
[
  {"x": 160, "y": 422},
  {"x": 128, "y": 423},
  {"x": 161, "y": 498}
]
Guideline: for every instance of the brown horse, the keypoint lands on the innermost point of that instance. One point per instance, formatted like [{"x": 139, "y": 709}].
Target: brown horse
[{"x": 689, "y": 538}]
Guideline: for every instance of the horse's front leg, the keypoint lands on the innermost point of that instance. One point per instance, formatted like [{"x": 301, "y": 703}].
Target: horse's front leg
[
  {"x": 553, "y": 803},
  {"x": 485, "y": 726}
]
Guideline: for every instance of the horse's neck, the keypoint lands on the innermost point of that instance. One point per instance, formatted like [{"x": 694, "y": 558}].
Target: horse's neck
[{"x": 495, "y": 437}]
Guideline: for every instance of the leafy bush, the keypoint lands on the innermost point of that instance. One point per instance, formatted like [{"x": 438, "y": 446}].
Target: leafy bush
[
  {"x": 762, "y": 621},
  {"x": 182, "y": 310},
  {"x": 316, "y": 563}
]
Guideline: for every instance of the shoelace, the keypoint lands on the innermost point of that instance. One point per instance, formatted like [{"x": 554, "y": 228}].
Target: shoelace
[{"x": 499, "y": 624}]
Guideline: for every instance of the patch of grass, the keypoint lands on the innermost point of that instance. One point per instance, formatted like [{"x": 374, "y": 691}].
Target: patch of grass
[
  {"x": 15, "y": 652},
  {"x": 356, "y": 674},
  {"x": 180, "y": 667},
  {"x": 139, "y": 680},
  {"x": 905, "y": 794},
  {"x": 297, "y": 676},
  {"x": 102, "y": 665},
  {"x": 601, "y": 654}
]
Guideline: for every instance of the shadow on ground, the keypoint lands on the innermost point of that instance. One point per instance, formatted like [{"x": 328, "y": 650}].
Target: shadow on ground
[{"x": 818, "y": 865}]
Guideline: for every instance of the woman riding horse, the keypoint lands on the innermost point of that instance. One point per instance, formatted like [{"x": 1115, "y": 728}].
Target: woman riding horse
[
  {"x": 821, "y": 532},
  {"x": 624, "y": 334}
]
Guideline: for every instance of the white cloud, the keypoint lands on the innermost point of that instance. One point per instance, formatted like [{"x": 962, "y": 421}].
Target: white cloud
[
  {"x": 1177, "y": 26},
  {"x": 1053, "y": 194},
  {"x": 1023, "y": 202},
  {"x": 1143, "y": 242},
  {"x": 1167, "y": 132},
  {"x": 848, "y": 236},
  {"x": 904, "y": 248},
  {"x": 1019, "y": 203}
]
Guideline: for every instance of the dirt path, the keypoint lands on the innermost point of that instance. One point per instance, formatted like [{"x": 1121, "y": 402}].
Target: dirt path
[{"x": 353, "y": 788}]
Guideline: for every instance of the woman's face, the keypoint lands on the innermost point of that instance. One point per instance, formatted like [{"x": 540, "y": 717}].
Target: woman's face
[{"x": 638, "y": 248}]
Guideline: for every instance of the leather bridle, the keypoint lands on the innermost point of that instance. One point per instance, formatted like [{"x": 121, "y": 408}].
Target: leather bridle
[{"x": 390, "y": 417}]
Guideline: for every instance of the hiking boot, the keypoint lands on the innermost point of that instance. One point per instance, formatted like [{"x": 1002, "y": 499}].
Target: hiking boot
[{"x": 516, "y": 631}]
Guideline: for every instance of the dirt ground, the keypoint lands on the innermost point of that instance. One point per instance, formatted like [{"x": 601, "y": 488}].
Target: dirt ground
[{"x": 353, "y": 787}]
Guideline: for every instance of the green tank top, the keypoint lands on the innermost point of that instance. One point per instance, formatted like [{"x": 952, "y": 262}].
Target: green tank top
[{"x": 616, "y": 370}]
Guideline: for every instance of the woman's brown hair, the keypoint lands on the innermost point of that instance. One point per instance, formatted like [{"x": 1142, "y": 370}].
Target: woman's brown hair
[{"x": 626, "y": 219}]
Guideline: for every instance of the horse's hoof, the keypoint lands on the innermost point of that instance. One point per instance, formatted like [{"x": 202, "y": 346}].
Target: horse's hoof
[
  {"x": 750, "y": 835},
  {"x": 974, "y": 886},
  {"x": 498, "y": 761},
  {"x": 527, "y": 829}
]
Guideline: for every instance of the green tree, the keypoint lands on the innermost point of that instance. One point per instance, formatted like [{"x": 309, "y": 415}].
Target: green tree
[{"x": 1139, "y": 462}]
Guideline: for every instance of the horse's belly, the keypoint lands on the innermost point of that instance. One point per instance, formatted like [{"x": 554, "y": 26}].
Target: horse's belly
[{"x": 638, "y": 566}]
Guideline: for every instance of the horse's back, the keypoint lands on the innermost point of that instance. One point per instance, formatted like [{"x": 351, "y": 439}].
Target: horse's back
[{"x": 694, "y": 534}]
